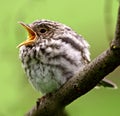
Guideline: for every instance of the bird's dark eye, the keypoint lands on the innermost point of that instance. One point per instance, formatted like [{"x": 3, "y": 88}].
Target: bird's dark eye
[{"x": 43, "y": 30}]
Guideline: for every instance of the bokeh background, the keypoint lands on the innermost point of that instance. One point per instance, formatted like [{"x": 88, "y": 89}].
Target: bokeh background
[{"x": 86, "y": 17}]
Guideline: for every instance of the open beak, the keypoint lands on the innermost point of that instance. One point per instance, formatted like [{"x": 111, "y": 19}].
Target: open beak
[{"x": 31, "y": 36}]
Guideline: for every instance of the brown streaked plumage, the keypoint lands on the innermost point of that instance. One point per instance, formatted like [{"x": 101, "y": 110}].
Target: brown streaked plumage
[{"x": 52, "y": 54}]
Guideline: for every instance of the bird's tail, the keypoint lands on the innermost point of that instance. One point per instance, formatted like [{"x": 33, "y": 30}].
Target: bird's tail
[{"x": 107, "y": 83}]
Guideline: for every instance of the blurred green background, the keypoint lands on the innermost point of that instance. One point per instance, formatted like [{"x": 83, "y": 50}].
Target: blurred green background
[{"x": 85, "y": 17}]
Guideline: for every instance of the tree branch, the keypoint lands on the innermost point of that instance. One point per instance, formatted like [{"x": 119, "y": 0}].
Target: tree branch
[
  {"x": 116, "y": 42},
  {"x": 81, "y": 83}
]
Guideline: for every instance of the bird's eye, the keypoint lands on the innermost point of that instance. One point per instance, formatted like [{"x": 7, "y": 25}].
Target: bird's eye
[{"x": 43, "y": 30}]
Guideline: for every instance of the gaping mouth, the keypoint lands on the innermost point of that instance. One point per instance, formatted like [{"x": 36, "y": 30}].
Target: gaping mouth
[{"x": 31, "y": 35}]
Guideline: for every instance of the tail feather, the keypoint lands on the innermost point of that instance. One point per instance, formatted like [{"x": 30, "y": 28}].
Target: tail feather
[{"x": 107, "y": 83}]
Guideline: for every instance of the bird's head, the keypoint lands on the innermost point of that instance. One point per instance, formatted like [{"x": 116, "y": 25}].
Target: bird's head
[{"x": 42, "y": 30}]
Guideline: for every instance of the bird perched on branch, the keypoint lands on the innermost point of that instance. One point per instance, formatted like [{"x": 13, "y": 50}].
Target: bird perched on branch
[{"x": 52, "y": 54}]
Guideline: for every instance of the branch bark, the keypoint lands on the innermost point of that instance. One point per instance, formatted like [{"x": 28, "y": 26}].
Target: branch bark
[{"x": 81, "y": 83}]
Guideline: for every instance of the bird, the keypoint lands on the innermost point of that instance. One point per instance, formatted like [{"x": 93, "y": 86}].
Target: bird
[{"x": 52, "y": 54}]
